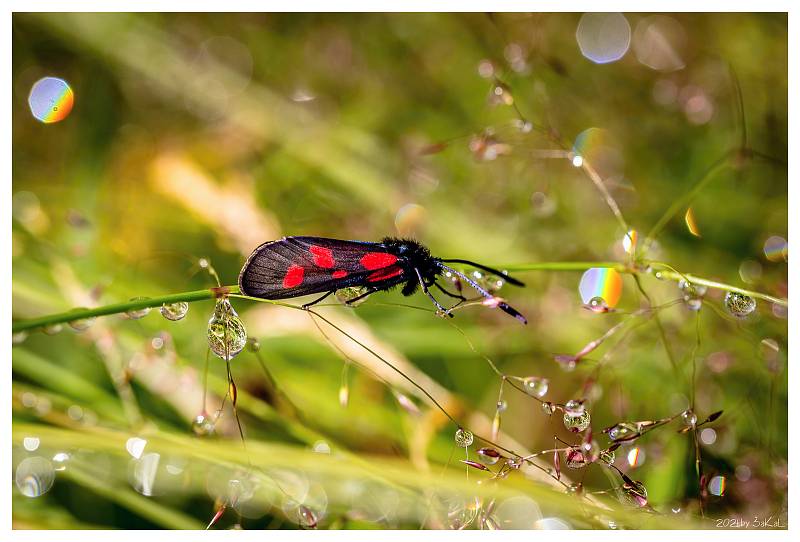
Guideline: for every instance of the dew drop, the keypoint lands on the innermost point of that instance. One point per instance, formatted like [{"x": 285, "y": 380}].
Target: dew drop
[
  {"x": 597, "y": 304},
  {"x": 634, "y": 494},
  {"x": 347, "y": 295},
  {"x": 490, "y": 456},
  {"x": 623, "y": 431},
  {"x": 19, "y": 337},
  {"x": 502, "y": 406},
  {"x": 536, "y": 386},
  {"x": 575, "y": 459},
  {"x": 692, "y": 294},
  {"x": 226, "y": 332},
  {"x": 500, "y": 95},
  {"x": 577, "y": 423},
  {"x": 34, "y": 476},
  {"x": 202, "y": 426},
  {"x": 608, "y": 456},
  {"x": 689, "y": 418},
  {"x": 464, "y": 438},
  {"x": 306, "y": 517},
  {"x": 739, "y": 305},
  {"x": 548, "y": 408},
  {"x": 574, "y": 408},
  {"x": 575, "y": 489},
  {"x": 82, "y": 324},
  {"x": 136, "y": 314},
  {"x": 52, "y": 329},
  {"x": 174, "y": 311}
]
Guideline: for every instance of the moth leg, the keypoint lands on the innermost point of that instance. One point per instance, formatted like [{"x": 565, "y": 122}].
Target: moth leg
[
  {"x": 360, "y": 297},
  {"x": 460, "y": 297},
  {"x": 312, "y": 303},
  {"x": 428, "y": 293}
]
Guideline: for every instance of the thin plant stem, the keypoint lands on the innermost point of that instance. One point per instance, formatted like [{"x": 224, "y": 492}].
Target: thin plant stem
[{"x": 119, "y": 308}]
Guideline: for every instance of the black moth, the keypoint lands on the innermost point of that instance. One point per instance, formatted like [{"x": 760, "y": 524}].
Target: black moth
[{"x": 297, "y": 266}]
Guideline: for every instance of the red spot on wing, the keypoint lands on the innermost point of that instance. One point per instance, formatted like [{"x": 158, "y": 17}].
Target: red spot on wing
[
  {"x": 323, "y": 257},
  {"x": 377, "y": 260},
  {"x": 294, "y": 276},
  {"x": 383, "y": 274},
  {"x": 339, "y": 274}
]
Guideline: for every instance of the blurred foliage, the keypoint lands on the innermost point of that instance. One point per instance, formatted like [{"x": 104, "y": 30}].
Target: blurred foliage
[{"x": 197, "y": 135}]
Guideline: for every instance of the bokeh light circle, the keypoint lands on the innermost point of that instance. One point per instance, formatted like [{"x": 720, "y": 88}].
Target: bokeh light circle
[
  {"x": 51, "y": 100},
  {"x": 34, "y": 476},
  {"x": 603, "y": 37},
  {"x": 603, "y": 282},
  {"x": 658, "y": 42}
]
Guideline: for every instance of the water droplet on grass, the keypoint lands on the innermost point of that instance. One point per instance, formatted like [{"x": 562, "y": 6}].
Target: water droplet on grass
[
  {"x": 574, "y": 458},
  {"x": 136, "y": 314},
  {"x": 464, "y": 438},
  {"x": 490, "y": 455},
  {"x": 347, "y": 295},
  {"x": 689, "y": 418},
  {"x": 608, "y": 456},
  {"x": 536, "y": 386},
  {"x": 578, "y": 423},
  {"x": 623, "y": 431},
  {"x": 226, "y": 332},
  {"x": 634, "y": 493},
  {"x": 692, "y": 294},
  {"x": 573, "y": 407},
  {"x": 739, "y": 305},
  {"x": 52, "y": 329},
  {"x": 202, "y": 426},
  {"x": 82, "y": 324},
  {"x": 174, "y": 311}
]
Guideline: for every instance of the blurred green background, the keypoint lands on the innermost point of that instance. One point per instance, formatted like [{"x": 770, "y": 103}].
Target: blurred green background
[{"x": 201, "y": 136}]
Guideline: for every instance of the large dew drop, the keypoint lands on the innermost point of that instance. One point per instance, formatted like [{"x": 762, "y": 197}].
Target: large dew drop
[
  {"x": 739, "y": 305},
  {"x": 227, "y": 335},
  {"x": 536, "y": 386},
  {"x": 576, "y": 417},
  {"x": 464, "y": 438}
]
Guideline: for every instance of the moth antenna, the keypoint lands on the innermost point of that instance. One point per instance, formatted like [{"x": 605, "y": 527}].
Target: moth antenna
[
  {"x": 497, "y": 272},
  {"x": 502, "y": 305}
]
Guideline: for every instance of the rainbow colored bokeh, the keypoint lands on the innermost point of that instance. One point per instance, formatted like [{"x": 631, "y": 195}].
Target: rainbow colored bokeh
[
  {"x": 51, "y": 100},
  {"x": 603, "y": 282}
]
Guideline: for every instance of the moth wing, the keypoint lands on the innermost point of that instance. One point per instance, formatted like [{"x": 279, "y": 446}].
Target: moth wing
[{"x": 296, "y": 266}]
